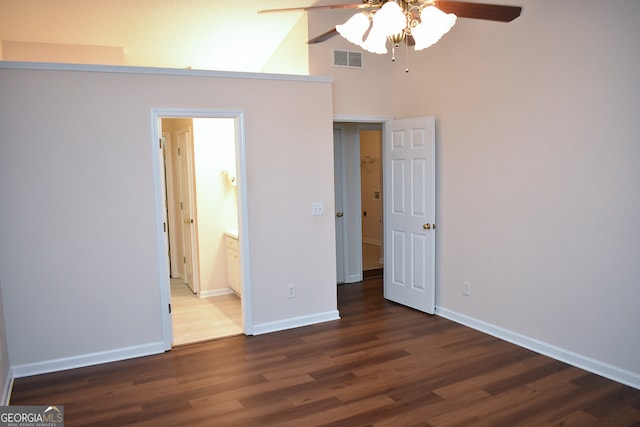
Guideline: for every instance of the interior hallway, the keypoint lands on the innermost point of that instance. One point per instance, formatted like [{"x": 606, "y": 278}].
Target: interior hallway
[{"x": 198, "y": 319}]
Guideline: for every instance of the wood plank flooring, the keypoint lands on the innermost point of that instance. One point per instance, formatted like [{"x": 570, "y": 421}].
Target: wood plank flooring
[{"x": 380, "y": 365}]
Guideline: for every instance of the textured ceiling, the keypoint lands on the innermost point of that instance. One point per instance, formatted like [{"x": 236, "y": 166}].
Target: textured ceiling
[{"x": 201, "y": 33}]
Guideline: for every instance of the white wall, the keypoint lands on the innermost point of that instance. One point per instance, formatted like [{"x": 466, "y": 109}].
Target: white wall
[
  {"x": 537, "y": 145},
  {"x": 78, "y": 250}
]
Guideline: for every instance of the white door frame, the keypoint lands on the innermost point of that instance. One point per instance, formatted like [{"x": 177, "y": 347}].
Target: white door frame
[
  {"x": 243, "y": 219},
  {"x": 340, "y": 191}
]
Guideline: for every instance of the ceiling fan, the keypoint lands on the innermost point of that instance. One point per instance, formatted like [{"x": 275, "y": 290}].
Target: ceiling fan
[{"x": 419, "y": 23}]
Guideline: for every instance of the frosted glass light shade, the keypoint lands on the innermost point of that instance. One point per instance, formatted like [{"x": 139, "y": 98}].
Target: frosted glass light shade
[
  {"x": 389, "y": 20},
  {"x": 434, "y": 24},
  {"x": 353, "y": 30}
]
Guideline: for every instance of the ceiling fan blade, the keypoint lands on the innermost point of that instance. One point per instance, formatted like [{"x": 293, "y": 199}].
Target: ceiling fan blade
[
  {"x": 324, "y": 36},
  {"x": 489, "y": 12},
  {"x": 328, "y": 7}
]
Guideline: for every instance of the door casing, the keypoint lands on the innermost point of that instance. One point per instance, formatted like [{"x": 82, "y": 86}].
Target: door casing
[{"x": 161, "y": 218}]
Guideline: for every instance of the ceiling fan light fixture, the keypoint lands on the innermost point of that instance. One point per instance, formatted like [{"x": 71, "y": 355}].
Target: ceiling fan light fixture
[
  {"x": 387, "y": 21},
  {"x": 434, "y": 24},
  {"x": 354, "y": 29}
]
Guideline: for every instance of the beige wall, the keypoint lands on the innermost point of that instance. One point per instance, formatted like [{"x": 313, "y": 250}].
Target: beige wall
[
  {"x": 537, "y": 150},
  {"x": 536, "y": 175},
  {"x": 355, "y": 91},
  {"x": 82, "y": 270}
]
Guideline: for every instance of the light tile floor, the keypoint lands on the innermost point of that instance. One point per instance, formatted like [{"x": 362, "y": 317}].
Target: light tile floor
[{"x": 198, "y": 319}]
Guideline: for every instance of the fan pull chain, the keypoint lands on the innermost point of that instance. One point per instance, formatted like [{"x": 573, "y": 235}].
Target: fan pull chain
[
  {"x": 406, "y": 70},
  {"x": 393, "y": 51}
]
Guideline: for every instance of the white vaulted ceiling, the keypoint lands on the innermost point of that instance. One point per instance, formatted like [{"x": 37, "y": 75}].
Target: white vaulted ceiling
[{"x": 213, "y": 34}]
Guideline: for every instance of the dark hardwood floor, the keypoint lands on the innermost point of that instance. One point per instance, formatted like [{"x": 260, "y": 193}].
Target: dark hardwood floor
[{"x": 381, "y": 364}]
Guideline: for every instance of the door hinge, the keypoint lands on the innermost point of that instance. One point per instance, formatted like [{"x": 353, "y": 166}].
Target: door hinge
[
  {"x": 160, "y": 143},
  {"x": 178, "y": 151},
  {"x": 169, "y": 308},
  {"x": 164, "y": 226},
  {"x": 184, "y": 260}
]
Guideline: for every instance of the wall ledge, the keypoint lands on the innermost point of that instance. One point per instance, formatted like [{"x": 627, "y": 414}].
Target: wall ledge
[
  {"x": 50, "y": 66},
  {"x": 606, "y": 370}
]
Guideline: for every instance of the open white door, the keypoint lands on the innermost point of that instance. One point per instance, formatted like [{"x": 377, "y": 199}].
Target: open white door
[
  {"x": 185, "y": 166},
  {"x": 409, "y": 212}
]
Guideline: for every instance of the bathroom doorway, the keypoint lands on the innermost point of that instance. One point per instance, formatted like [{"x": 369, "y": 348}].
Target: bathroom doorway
[{"x": 203, "y": 199}]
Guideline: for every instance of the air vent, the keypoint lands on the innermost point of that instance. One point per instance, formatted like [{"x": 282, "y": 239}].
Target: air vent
[{"x": 345, "y": 58}]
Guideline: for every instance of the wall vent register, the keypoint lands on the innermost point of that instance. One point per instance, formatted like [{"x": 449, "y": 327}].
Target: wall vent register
[{"x": 345, "y": 58}]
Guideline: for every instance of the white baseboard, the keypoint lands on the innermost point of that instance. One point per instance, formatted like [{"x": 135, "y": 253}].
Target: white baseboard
[
  {"x": 215, "y": 292},
  {"x": 73, "y": 362},
  {"x": 606, "y": 370},
  {"x": 295, "y": 322},
  {"x": 6, "y": 390},
  {"x": 354, "y": 278}
]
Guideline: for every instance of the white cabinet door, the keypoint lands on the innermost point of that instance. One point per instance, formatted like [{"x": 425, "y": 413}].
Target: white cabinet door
[{"x": 409, "y": 235}]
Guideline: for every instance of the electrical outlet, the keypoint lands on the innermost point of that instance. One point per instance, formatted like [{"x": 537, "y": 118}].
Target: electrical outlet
[
  {"x": 466, "y": 288},
  {"x": 291, "y": 291},
  {"x": 317, "y": 208}
]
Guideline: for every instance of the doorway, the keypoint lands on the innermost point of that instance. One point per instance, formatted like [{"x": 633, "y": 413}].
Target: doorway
[
  {"x": 359, "y": 200},
  {"x": 408, "y": 173},
  {"x": 202, "y": 172},
  {"x": 371, "y": 201}
]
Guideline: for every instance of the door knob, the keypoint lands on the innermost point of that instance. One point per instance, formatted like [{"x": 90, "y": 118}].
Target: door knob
[
  {"x": 339, "y": 214},
  {"x": 188, "y": 221},
  {"x": 426, "y": 226}
]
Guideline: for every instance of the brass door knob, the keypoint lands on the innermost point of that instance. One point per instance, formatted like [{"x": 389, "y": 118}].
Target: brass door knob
[
  {"x": 339, "y": 214},
  {"x": 426, "y": 226},
  {"x": 188, "y": 221}
]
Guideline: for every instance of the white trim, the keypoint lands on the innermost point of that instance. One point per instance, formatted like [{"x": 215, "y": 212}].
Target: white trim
[
  {"x": 48, "y": 66},
  {"x": 295, "y": 322},
  {"x": 215, "y": 292},
  {"x": 7, "y": 389},
  {"x": 354, "y": 118},
  {"x": 243, "y": 212},
  {"x": 74, "y": 362},
  {"x": 606, "y": 370}
]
